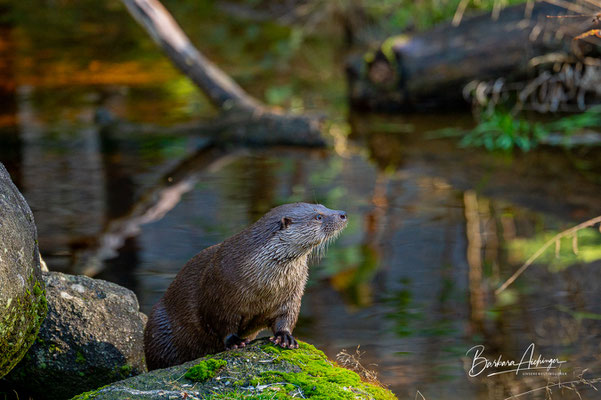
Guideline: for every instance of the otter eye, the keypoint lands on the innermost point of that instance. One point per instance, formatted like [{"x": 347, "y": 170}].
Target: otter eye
[{"x": 319, "y": 217}]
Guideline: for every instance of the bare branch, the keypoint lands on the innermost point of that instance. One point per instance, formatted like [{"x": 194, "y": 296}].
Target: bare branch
[
  {"x": 554, "y": 239},
  {"x": 221, "y": 90}
]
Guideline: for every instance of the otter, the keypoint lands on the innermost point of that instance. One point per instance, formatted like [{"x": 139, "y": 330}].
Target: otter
[{"x": 226, "y": 294}]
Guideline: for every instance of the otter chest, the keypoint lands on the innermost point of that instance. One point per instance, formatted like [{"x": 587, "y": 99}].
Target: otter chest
[
  {"x": 286, "y": 279},
  {"x": 271, "y": 285}
]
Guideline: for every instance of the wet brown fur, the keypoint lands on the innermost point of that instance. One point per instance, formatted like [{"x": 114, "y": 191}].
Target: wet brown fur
[{"x": 250, "y": 281}]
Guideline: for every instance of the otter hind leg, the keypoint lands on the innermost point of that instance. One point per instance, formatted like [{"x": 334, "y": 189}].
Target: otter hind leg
[
  {"x": 159, "y": 347},
  {"x": 234, "y": 341}
]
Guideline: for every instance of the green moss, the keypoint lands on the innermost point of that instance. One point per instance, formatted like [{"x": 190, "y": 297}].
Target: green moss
[
  {"x": 79, "y": 357},
  {"x": 37, "y": 289},
  {"x": 319, "y": 378},
  {"x": 123, "y": 371},
  {"x": 267, "y": 372},
  {"x": 88, "y": 395},
  {"x": 126, "y": 370},
  {"x": 205, "y": 370},
  {"x": 19, "y": 328},
  {"x": 387, "y": 47},
  {"x": 244, "y": 395}
]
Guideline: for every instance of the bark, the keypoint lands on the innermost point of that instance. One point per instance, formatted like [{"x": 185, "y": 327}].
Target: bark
[
  {"x": 245, "y": 118},
  {"x": 432, "y": 69}
]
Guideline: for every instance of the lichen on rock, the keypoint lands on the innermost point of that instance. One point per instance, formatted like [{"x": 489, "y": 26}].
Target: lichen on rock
[{"x": 22, "y": 297}]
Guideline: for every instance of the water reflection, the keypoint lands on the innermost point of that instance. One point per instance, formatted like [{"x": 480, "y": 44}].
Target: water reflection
[
  {"x": 433, "y": 229},
  {"x": 412, "y": 279}
]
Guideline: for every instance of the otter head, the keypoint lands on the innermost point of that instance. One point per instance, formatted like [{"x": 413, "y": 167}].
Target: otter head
[{"x": 301, "y": 228}]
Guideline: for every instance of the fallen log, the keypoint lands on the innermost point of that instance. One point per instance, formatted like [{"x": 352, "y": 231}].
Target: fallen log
[{"x": 523, "y": 51}]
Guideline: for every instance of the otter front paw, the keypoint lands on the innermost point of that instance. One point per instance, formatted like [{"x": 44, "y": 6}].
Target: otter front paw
[
  {"x": 234, "y": 341},
  {"x": 284, "y": 339}
]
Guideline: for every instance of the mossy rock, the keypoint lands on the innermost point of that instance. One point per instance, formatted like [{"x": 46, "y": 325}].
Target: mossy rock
[
  {"x": 259, "y": 371},
  {"x": 92, "y": 336},
  {"x": 22, "y": 296}
]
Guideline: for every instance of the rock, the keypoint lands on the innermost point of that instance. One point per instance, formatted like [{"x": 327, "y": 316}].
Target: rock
[
  {"x": 92, "y": 336},
  {"x": 260, "y": 369},
  {"x": 22, "y": 301}
]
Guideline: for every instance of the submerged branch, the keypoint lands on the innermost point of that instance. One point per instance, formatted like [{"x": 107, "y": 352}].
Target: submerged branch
[
  {"x": 152, "y": 205},
  {"x": 569, "y": 232},
  {"x": 235, "y": 126}
]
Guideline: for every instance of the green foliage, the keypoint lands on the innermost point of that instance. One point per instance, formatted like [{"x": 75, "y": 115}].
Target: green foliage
[
  {"x": 205, "y": 370},
  {"x": 500, "y": 130},
  {"x": 421, "y": 15},
  {"x": 278, "y": 94},
  {"x": 570, "y": 124}
]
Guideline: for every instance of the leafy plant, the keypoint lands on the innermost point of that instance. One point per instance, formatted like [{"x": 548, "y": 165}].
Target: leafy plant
[{"x": 500, "y": 130}]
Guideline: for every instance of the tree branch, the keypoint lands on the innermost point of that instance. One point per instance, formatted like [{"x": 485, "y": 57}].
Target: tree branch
[
  {"x": 244, "y": 119},
  {"x": 221, "y": 90}
]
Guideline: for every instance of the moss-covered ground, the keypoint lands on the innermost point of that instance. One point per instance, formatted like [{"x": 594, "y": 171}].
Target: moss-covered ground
[{"x": 259, "y": 371}]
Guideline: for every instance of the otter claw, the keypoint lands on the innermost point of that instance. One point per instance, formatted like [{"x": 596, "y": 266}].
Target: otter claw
[
  {"x": 284, "y": 339},
  {"x": 234, "y": 341}
]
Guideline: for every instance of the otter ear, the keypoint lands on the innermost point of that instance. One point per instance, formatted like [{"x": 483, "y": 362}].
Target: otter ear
[{"x": 285, "y": 222}]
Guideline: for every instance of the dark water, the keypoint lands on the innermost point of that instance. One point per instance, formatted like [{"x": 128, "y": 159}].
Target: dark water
[{"x": 433, "y": 229}]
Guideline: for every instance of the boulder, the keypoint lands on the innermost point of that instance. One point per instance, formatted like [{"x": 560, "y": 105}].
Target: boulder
[
  {"x": 22, "y": 300},
  {"x": 260, "y": 370},
  {"x": 92, "y": 336}
]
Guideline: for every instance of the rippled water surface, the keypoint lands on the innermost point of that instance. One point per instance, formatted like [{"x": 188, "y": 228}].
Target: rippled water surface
[{"x": 433, "y": 229}]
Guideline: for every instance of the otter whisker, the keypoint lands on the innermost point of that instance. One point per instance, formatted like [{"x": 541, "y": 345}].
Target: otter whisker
[{"x": 320, "y": 250}]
